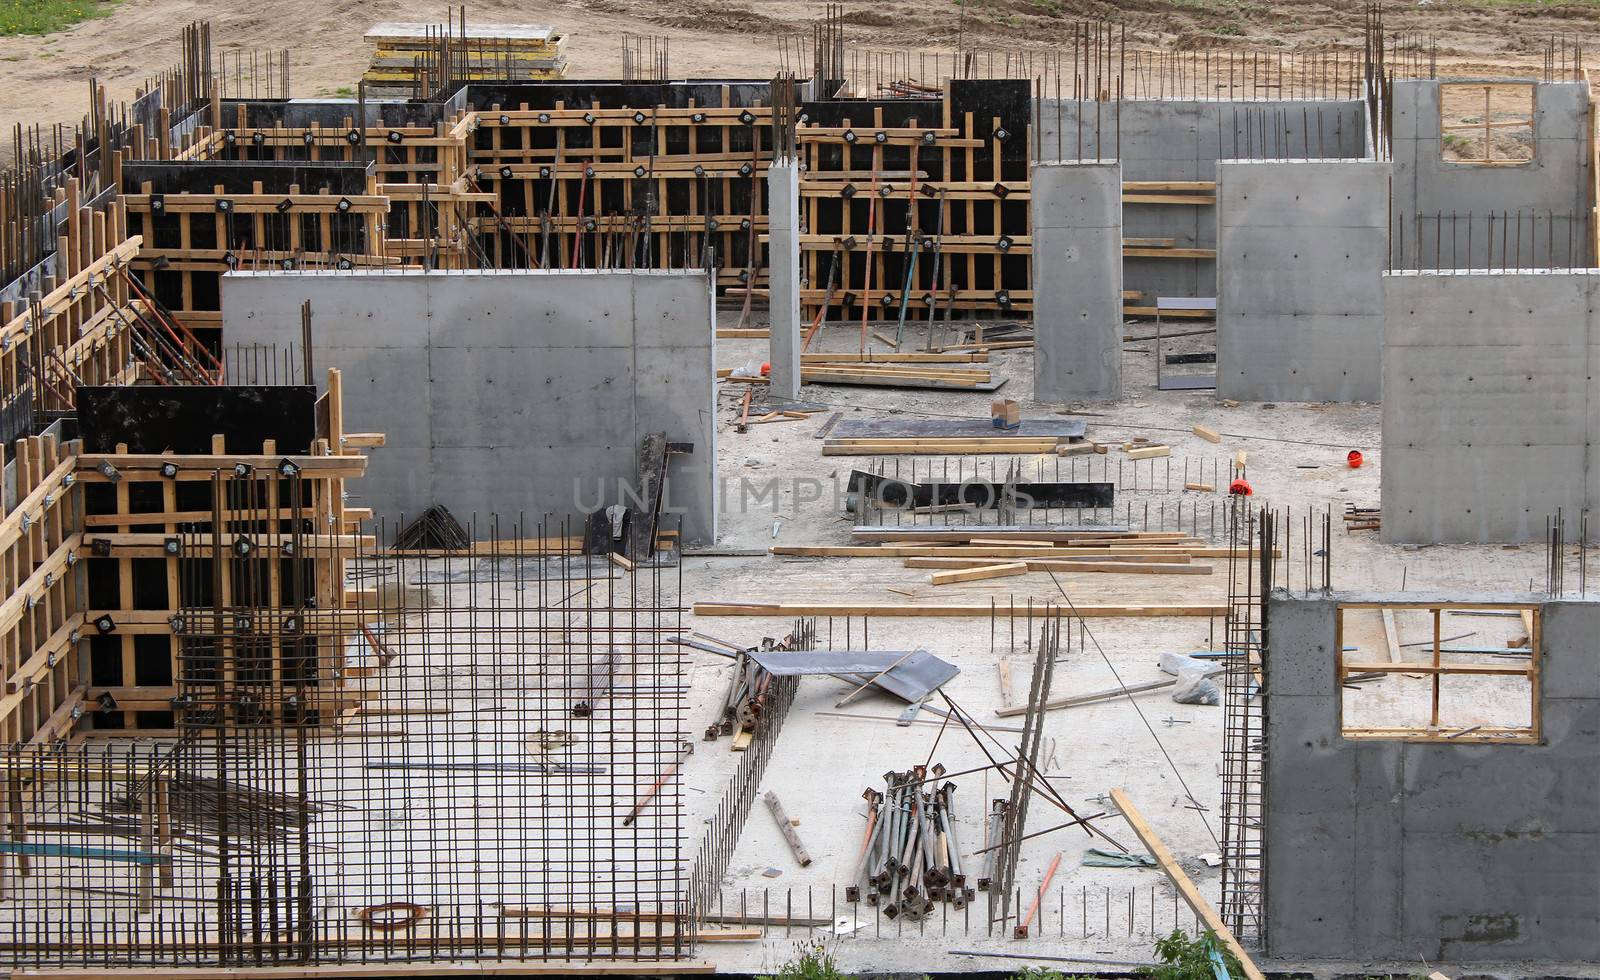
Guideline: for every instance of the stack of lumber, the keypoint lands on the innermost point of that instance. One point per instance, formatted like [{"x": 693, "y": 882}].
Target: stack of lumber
[
  {"x": 963, "y": 370},
  {"x": 486, "y": 52},
  {"x": 967, "y": 371},
  {"x": 1362, "y": 518},
  {"x": 975, "y": 552},
  {"x": 1195, "y": 193},
  {"x": 940, "y": 437}
]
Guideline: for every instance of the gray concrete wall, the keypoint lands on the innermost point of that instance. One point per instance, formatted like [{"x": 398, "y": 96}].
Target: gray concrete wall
[
  {"x": 783, "y": 278},
  {"x": 510, "y": 393},
  {"x": 1442, "y": 210},
  {"x": 1489, "y": 404},
  {"x": 1300, "y": 262},
  {"x": 1173, "y": 139},
  {"x": 1435, "y": 851},
  {"x": 1077, "y": 281}
]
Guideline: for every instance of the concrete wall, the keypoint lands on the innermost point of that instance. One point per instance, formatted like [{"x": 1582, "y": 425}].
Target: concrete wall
[
  {"x": 1077, "y": 281},
  {"x": 505, "y": 392},
  {"x": 1444, "y": 852},
  {"x": 1489, "y": 404},
  {"x": 1300, "y": 262},
  {"x": 1173, "y": 139},
  {"x": 1442, "y": 209},
  {"x": 783, "y": 278}
]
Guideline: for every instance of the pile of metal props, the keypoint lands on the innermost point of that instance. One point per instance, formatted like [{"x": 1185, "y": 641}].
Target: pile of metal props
[{"x": 910, "y": 859}]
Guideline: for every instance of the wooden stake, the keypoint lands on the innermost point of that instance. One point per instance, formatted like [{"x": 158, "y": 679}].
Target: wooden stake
[
  {"x": 789, "y": 833},
  {"x": 1181, "y": 881}
]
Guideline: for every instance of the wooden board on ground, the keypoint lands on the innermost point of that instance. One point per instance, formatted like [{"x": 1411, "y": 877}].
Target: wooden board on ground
[
  {"x": 1181, "y": 882},
  {"x": 789, "y": 610}
]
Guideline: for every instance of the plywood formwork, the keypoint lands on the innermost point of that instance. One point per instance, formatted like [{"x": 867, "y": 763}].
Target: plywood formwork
[
  {"x": 624, "y": 186},
  {"x": 920, "y": 204},
  {"x": 93, "y": 630},
  {"x": 192, "y": 238},
  {"x": 420, "y": 168}
]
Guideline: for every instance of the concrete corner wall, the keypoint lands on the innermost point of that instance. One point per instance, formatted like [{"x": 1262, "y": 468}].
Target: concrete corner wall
[
  {"x": 511, "y": 393},
  {"x": 1551, "y": 189},
  {"x": 1077, "y": 281},
  {"x": 1182, "y": 139},
  {"x": 783, "y": 278},
  {"x": 1489, "y": 404},
  {"x": 1452, "y": 853},
  {"x": 1301, "y": 250}
]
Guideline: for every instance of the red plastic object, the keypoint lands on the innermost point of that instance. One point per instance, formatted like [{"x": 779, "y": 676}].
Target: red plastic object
[
  {"x": 1241, "y": 488},
  {"x": 1354, "y": 459},
  {"x": 766, "y": 369}
]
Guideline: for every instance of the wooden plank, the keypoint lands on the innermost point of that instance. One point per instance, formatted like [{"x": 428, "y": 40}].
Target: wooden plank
[
  {"x": 1149, "y": 452},
  {"x": 1482, "y": 670},
  {"x": 945, "y": 551},
  {"x": 787, "y": 827},
  {"x": 956, "y": 532},
  {"x": 1019, "y": 447},
  {"x": 1197, "y": 199},
  {"x": 1150, "y": 311},
  {"x": 1133, "y": 252},
  {"x": 789, "y": 610},
  {"x": 937, "y": 561},
  {"x": 1068, "y": 565},
  {"x": 1207, "y": 186},
  {"x": 1007, "y": 696},
  {"x": 1181, "y": 881},
  {"x": 1208, "y": 434},
  {"x": 979, "y": 573}
]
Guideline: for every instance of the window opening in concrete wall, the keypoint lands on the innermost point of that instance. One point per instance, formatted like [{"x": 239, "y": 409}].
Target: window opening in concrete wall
[
  {"x": 1487, "y": 125},
  {"x": 1464, "y": 672}
]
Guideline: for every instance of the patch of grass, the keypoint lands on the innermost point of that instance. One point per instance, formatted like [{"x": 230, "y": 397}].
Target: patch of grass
[
  {"x": 48, "y": 16},
  {"x": 1045, "y": 973},
  {"x": 812, "y": 962},
  {"x": 1183, "y": 958},
  {"x": 345, "y": 92}
]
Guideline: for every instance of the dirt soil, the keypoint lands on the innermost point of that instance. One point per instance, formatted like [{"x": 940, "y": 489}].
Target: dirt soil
[{"x": 44, "y": 80}]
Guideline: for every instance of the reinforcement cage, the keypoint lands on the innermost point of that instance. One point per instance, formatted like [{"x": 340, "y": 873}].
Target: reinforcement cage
[{"x": 439, "y": 770}]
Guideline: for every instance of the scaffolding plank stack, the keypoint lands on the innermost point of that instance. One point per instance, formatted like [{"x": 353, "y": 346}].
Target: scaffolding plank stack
[{"x": 404, "y": 52}]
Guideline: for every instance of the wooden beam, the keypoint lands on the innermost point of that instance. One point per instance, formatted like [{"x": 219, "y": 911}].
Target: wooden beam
[
  {"x": 1180, "y": 881},
  {"x": 784, "y": 825},
  {"x": 979, "y": 573},
  {"x": 987, "y": 551},
  {"x": 789, "y": 610}
]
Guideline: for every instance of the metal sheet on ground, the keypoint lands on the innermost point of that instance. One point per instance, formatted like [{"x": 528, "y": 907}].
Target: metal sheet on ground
[{"x": 918, "y": 676}]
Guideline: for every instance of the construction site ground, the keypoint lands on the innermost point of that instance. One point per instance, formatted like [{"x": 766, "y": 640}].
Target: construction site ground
[{"x": 1148, "y": 745}]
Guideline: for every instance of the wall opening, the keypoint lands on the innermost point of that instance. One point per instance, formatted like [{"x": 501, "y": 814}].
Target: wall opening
[
  {"x": 1451, "y": 672},
  {"x": 1486, "y": 124}
]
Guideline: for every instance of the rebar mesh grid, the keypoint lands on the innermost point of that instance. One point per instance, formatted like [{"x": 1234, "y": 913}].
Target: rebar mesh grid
[{"x": 439, "y": 767}]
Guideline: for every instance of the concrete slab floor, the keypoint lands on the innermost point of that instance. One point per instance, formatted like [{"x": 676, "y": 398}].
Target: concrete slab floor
[{"x": 822, "y": 764}]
